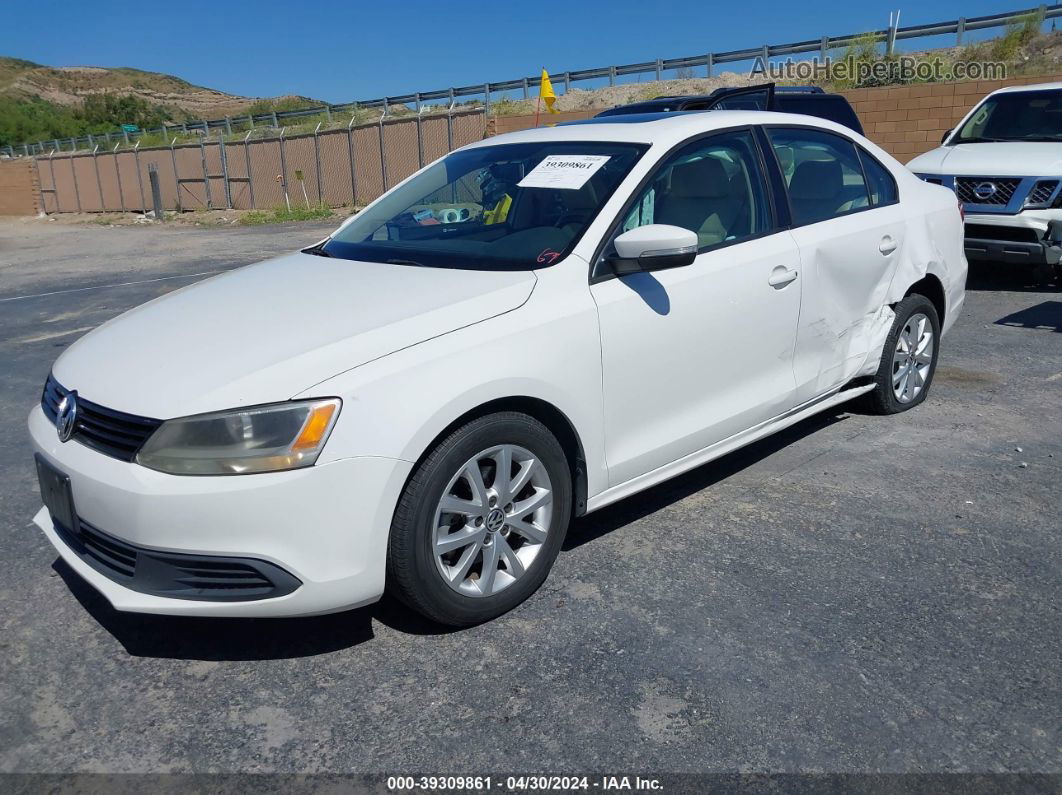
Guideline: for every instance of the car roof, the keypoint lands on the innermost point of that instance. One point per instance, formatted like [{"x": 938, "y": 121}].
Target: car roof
[
  {"x": 1030, "y": 87},
  {"x": 658, "y": 128}
]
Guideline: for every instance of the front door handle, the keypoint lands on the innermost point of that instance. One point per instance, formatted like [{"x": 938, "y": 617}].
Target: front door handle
[
  {"x": 781, "y": 276},
  {"x": 887, "y": 245}
]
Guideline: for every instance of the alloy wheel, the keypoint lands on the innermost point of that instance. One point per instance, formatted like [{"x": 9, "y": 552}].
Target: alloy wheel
[
  {"x": 913, "y": 358},
  {"x": 492, "y": 520}
]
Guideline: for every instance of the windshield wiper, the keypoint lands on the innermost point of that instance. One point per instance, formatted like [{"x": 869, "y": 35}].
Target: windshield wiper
[
  {"x": 412, "y": 262},
  {"x": 1041, "y": 138},
  {"x": 317, "y": 251},
  {"x": 979, "y": 141}
]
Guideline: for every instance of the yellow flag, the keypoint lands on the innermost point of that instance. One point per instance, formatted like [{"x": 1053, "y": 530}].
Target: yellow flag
[{"x": 546, "y": 92}]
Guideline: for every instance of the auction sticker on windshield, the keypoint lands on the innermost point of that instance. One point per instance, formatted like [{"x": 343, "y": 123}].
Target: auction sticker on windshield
[{"x": 568, "y": 172}]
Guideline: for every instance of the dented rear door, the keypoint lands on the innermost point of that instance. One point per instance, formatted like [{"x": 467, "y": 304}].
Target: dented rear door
[{"x": 847, "y": 265}]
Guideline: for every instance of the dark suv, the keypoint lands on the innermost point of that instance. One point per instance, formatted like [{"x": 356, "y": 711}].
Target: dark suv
[{"x": 810, "y": 100}]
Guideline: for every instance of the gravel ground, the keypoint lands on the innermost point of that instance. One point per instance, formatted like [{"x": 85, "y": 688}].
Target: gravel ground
[{"x": 855, "y": 594}]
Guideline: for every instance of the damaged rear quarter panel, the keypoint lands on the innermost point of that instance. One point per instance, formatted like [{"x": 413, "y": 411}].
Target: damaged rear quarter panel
[{"x": 851, "y": 286}]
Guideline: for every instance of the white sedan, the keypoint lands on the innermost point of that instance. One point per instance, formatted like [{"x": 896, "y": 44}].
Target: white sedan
[{"x": 525, "y": 331}]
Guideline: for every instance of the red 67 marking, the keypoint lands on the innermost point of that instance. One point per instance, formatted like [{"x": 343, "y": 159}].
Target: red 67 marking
[{"x": 549, "y": 256}]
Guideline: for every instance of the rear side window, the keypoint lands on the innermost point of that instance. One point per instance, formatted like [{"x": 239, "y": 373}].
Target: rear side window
[
  {"x": 879, "y": 180},
  {"x": 822, "y": 174}
]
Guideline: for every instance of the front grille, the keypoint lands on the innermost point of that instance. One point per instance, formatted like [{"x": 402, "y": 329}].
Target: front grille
[
  {"x": 966, "y": 188},
  {"x": 104, "y": 553},
  {"x": 1010, "y": 234},
  {"x": 176, "y": 575},
  {"x": 1042, "y": 192},
  {"x": 111, "y": 432}
]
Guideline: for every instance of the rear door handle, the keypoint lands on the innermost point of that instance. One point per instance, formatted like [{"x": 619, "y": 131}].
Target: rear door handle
[
  {"x": 781, "y": 276},
  {"x": 887, "y": 245}
]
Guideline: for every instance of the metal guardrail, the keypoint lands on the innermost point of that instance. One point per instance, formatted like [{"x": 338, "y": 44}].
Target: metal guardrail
[{"x": 959, "y": 27}]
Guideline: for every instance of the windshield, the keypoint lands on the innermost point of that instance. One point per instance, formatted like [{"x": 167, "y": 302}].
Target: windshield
[
  {"x": 510, "y": 206},
  {"x": 1018, "y": 116}
]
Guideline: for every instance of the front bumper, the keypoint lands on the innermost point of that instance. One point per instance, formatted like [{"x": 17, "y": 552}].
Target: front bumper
[
  {"x": 327, "y": 525},
  {"x": 1011, "y": 252},
  {"x": 1022, "y": 239}
]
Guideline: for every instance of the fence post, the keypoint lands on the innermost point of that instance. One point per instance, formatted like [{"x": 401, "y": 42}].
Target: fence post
[
  {"x": 99, "y": 182},
  {"x": 567, "y": 82},
  {"x": 250, "y": 121},
  {"x": 328, "y": 113},
  {"x": 276, "y": 123},
  {"x": 206, "y": 174},
  {"x": 139, "y": 176},
  {"x": 383, "y": 155},
  {"x": 450, "y": 124},
  {"x": 658, "y": 68},
  {"x": 350, "y": 152},
  {"x": 524, "y": 83},
  {"x": 51, "y": 168},
  {"x": 766, "y": 55},
  {"x": 890, "y": 37},
  {"x": 73, "y": 173},
  {"x": 225, "y": 171},
  {"x": 156, "y": 193},
  {"x": 824, "y": 48},
  {"x": 176, "y": 175},
  {"x": 612, "y": 75},
  {"x": 317, "y": 161},
  {"x": 709, "y": 62},
  {"x": 247, "y": 161},
  {"x": 118, "y": 176},
  {"x": 420, "y": 133},
  {"x": 486, "y": 95},
  {"x": 284, "y": 169}
]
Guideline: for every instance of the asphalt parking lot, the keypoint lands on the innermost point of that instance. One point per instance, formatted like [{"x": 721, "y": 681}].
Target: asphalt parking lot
[{"x": 858, "y": 593}]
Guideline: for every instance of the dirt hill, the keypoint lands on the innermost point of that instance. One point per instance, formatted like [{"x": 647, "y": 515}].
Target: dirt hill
[{"x": 68, "y": 85}]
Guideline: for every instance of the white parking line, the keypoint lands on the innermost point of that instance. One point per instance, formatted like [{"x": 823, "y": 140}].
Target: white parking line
[{"x": 108, "y": 286}]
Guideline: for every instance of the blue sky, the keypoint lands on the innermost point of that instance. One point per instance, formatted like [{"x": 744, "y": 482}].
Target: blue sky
[{"x": 342, "y": 51}]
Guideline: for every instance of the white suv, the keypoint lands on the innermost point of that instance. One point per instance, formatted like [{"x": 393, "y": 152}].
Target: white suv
[
  {"x": 527, "y": 330},
  {"x": 1004, "y": 160}
]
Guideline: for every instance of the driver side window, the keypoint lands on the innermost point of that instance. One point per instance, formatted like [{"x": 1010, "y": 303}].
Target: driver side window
[{"x": 713, "y": 187}]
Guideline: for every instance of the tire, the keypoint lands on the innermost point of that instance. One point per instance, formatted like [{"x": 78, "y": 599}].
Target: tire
[
  {"x": 891, "y": 394},
  {"x": 495, "y": 555}
]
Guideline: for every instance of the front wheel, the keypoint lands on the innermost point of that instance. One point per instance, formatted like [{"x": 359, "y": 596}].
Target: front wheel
[
  {"x": 481, "y": 521},
  {"x": 908, "y": 359}
]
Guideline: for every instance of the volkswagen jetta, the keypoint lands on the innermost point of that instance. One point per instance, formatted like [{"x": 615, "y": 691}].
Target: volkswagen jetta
[{"x": 527, "y": 330}]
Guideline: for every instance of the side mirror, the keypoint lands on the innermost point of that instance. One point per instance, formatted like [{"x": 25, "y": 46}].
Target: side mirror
[{"x": 654, "y": 247}]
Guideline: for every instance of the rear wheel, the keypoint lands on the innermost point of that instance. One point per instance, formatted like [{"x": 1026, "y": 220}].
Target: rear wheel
[
  {"x": 481, "y": 521},
  {"x": 909, "y": 358}
]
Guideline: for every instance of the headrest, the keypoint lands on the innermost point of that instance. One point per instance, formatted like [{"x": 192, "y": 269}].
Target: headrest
[
  {"x": 816, "y": 180},
  {"x": 700, "y": 179}
]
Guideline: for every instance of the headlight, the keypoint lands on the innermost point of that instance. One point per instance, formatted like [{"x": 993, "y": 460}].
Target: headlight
[{"x": 242, "y": 441}]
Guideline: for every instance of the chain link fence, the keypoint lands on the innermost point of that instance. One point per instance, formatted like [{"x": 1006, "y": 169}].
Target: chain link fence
[{"x": 335, "y": 167}]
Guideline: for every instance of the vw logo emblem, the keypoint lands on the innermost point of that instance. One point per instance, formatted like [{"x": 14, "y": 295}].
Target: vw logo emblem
[
  {"x": 66, "y": 417},
  {"x": 985, "y": 190},
  {"x": 495, "y": 520}
]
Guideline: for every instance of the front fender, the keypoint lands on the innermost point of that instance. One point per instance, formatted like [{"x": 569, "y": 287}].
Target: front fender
[{"x": 547, "y": 350}]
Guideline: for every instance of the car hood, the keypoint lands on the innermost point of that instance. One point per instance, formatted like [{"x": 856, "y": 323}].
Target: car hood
[
  {"x": 1004, "y": 159},
  {"x": 269, "y": 331}
]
